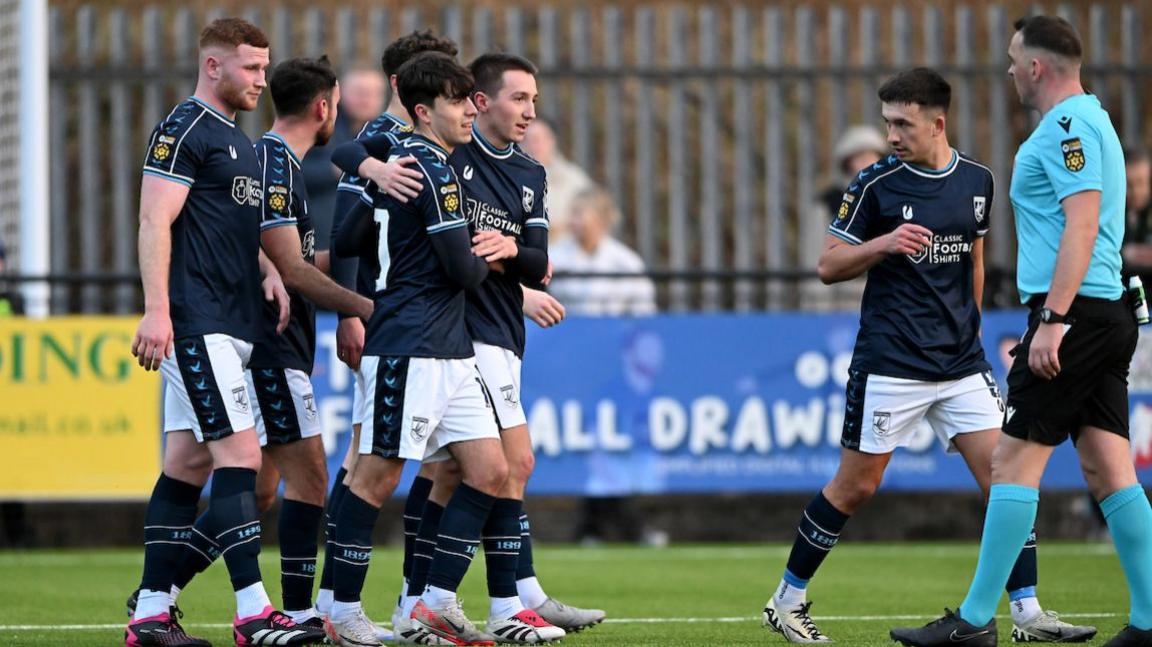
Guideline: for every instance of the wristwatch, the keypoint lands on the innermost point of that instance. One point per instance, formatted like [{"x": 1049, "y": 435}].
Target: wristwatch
[{"x": 1049, "y": 316}]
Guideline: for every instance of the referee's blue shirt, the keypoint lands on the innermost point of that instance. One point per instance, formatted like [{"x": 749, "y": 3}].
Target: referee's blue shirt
[{"x": 1074, "y": 149}]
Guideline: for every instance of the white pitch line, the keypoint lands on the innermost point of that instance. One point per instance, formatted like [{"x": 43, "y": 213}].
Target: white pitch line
[
  {"x": 623, "y": 621},
  {"x": 625, "y": 553}
]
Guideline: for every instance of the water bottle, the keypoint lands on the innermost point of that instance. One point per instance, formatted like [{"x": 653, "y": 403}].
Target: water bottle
[{"x": 1139, "y": 303}]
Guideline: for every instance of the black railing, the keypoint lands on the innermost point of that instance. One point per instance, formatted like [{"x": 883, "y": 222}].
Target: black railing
[{"x": 676, "y": 290}]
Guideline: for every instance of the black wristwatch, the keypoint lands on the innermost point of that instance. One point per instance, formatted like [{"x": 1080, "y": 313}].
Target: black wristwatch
[{"x": 1049, "y": 316}]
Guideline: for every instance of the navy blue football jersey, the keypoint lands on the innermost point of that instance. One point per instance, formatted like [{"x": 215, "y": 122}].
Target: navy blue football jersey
[
  {"x": 214, "y": 275},
  {"x": 352, "y": 186},
  {"x": 419, "y": 310},
  {"x": 918, "y": 317},
  {"x": 286, "y": 204},
  {"x": 504, "y": 190}
]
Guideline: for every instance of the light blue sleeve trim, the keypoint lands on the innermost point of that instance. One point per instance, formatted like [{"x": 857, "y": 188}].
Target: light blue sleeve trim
[
  {"x": 278, "y": 222},
  {"x": 171, "y": 177},
  {"x": 845, "y": 236},
  {"x": 444, "y": 226}
]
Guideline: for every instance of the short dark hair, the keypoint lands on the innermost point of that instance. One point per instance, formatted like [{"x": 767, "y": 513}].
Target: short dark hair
[
  {"x": 429, "y": 75},
  {"x": 489, "y": 69},
  {"x": 1052, "y": 34},
  {"x": 296, "y": 82},
  {"x": 920, "y": 85},
  {"x": 232, "y": 32},
  {"x": 404, "y": 48}
]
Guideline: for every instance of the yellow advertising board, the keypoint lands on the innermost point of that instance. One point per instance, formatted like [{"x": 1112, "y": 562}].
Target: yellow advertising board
[{"x": 79, "y": 419}]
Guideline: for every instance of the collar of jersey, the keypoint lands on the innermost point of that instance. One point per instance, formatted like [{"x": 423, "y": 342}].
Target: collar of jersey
[
  {"x": 421, "y": 140},
  {"x": 214, "y": 112},
  {"x": 499, "y": 153},
  {"x": 936, "y": 173},
  {"x": 1066, "y": 101},
  {"x": 273, "y": 136},
  {"x": 394, "y": 118}
]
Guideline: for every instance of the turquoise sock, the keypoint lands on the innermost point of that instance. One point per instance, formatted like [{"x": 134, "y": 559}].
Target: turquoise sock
[
  {"x": 1130, "y": 519},
  {"x": 1007, "y": 524}
]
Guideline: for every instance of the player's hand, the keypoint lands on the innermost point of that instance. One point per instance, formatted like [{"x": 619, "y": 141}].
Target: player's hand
[
  {"x": 907, "y": 239},
  {"x": 542, "y": 308},
  {"x": 492, "y": 245},
  {"x": 153, "y": 341},
  {"x": 274, "y": 292},
  {"x": 1044, "y": 351},
  {"x": 547, "y": 275},
  {"x": 350, "y": 341},
  {"x": 394, "y": 177}
]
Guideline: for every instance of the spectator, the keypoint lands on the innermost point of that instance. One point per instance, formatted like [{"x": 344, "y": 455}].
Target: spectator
[
  {"x": 858, "y": 147},
  {"x": 565, "y": 179},
  {"x": 361, "y": 100},
  {"x": 1138, "y": 212},
  {"x": 591, "y": 248}
]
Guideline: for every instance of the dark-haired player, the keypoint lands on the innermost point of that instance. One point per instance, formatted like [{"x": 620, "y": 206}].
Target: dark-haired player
[
  {"x": 1070, "y": 373},
  {"x": 201, "y": 201},
  {"x": 504, "y": 191},
  {"x": 360, "y": 273},
  {"x": 424, "y": 395},
  {"x": 915, "y": 223}
]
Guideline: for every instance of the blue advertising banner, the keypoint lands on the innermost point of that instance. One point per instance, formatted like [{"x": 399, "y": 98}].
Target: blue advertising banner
[{"x": 711, "y": 403}]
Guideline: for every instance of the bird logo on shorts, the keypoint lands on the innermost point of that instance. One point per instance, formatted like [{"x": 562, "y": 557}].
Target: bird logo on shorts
[
  {"x": 240, "y": 397},
  {"x": 881, "y": 422},
  {"x": 509, "y": 393},
  {"x": 419, "y": 427}
]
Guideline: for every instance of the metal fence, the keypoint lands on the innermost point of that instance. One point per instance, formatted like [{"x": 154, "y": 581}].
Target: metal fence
[
  {"x": 9, "y": 122},
  {"x": 713, "y": 124}
]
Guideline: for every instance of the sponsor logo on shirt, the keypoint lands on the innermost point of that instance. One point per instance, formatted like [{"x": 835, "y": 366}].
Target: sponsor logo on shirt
[
  {"x": 944, "y": 249},
  {"x": 246, "y": 190}
]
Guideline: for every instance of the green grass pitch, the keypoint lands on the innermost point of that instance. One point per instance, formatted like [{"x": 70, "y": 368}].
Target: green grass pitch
[{"x": 682, "y": 595}]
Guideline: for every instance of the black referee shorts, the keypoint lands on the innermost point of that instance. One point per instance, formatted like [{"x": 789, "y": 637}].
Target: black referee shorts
[{"x": 1092, "y": 387}]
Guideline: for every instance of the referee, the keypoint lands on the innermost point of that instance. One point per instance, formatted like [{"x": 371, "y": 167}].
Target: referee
[{"x": 1070, "y": 376}]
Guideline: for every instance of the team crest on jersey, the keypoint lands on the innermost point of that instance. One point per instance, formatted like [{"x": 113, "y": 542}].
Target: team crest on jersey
[
  {"x": 845, "y": 202},
  {"x": 1073, "y": 154},
  {"x": 978, "y": 202},
  {"x": 451, "y": 202},
  {"x": 240, "y": 397},
  {"x": 528, "y": 199},
  {"x": 246, "y": 190},
  {"x": 163, "y": 148},
  {"x": 419, "y": 427},
  {"x": 509, "y": 393},
  {"x": 278, "y": 198},
  {"x": 881, "y": 423}
]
